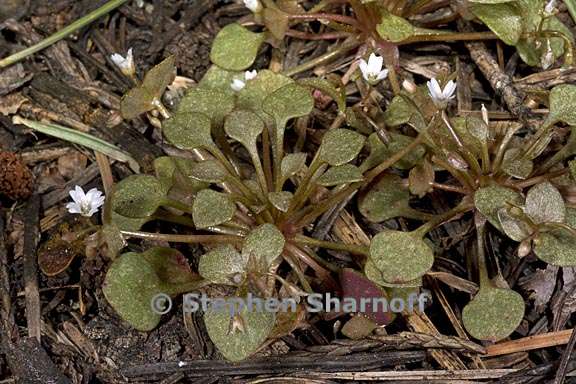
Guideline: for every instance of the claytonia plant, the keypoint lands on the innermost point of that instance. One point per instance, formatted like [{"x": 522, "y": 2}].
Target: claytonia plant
[
  {"x": 441, "y": 97},
  {"x": 372, "y": 70},
  {"x": 125, "y": 64},
  {"x": 85, "y": 204}
]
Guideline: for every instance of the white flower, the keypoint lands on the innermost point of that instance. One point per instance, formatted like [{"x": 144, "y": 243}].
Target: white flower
[
  {"x": 86, "y": 204},
  {"x": 440, "y": 96},
  {"x": 126, "y": 64},
  {"x": 550, "y": 7},
  {"x": 249, "y": 75},
  {"x": 253, "y": 5},
  {"x": 372, "y": 70},
  {"x": 239, "y": 84},
  {"x": 485, "y": 114}
]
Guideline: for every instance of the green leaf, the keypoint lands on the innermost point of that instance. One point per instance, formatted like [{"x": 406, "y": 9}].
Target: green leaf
[
  {"x": 189, "y": 131},
  {"x": 515, "y": 165},
  {"x": 562, "y": 99},
  {"x": 342, "y": 174},
  {"x": 252, "y": 96},
  {"x": 265, "y": 243},
  {"x": 280, "y": 200},
  {"x": 209, "y": 171},
  {"x": 491, "y": 1},
  {"x": 235, "y": 48},
  {"x": 212, "y": 208},
  {"x": 514, "y": 228},
  {"x": 400, "y": 256},
  {"x": 164, "y": 168},
  {"x": 544, "y": 204},
  {"x": 138, "y": 196},
  {"x": 223, "y": 265},
  {"x": 184, "y": 179},
  {"x": 380, "y": 151},
  {"x": 572, "y": 166},
  {"x": 124, "y": 223},
  {"x": 493, "y": 314},
  {"x": 420, "y": 178},
  {"x": 358, "y": 327},
  {"x": 244, "y": 127},
  {"x": 385, "y": 200},
  {"x": 286, "y": 103},
  {"x": 213, "y": 103},
  {"x": 276, "y": 21},
  {"x": 292, "y": 164},
  {"x": 141, "y": 98},
  {"x": 237, "y": 343},
  {"x": 219, "y": 79},
  {"x": 338, "y": 94},
  {"x": 160, "y": 77},
  {"x": 340, "y": 146},
  {"x": 489, "y": 200},
  {"x": 374, "y": 274},
  {"x": 398, "y": 112},
  {"x": 504, "y": 19},
  {"x": 557, "y": 247},
  {"x": 394, "y": 28},
  {"x": 129, "y": 287},
  {"x": 134, "y": 279}
]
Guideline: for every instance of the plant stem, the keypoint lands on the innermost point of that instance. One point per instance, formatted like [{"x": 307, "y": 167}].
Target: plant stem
[
  {"x": 204, "y": 239},
  {"x": 358, "y": 249},
  {"x": 480, "y": 223},
  {"x": 80, "y": 23},
  {"x": 325, "y": 16},
  {"x": 323, "y": 59},
  {"x": 177, "y": 205},
  {"x": 471, "y": 36},
  {"x": 445, "y": 217}
]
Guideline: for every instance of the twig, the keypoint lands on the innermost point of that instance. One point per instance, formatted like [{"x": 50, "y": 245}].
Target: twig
[
  {"x": 563, "y": 367},
  {"x": 529, "y": 343},
  {"x": 31, "y": 237},
  {"x": 277, "y": 364},
  {"x": 418, "y": 376},
  {"x": 500, "y": 82}
]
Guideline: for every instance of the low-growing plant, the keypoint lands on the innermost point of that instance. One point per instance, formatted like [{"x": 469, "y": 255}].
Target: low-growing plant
[{"x": 248, "y": 187}]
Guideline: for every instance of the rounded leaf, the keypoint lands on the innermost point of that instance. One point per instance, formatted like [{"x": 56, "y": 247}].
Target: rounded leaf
[
  {"x": 400, "y": 256},
  {"x": 235, "y": 48},
  {"x": 504, "y": 19},
  {"x": 214, "y": 103},
  {"x": 493, "y": 314},
  {"x": 223, "y": 265},
  {"x": 209, "y": 171},
  {"x": 544, "y": 204},
  {"x": 340, "y": 146},
  {"x": 557, "y": 247},
  {"x": 288, "y": 102},
  {"x": 342, "y": 174},
  {"x": 244, "y": 127},
  {"x": 212, "y": 208},
  {"x": 138, "y": 196},
  {"x": 514, "y": 228},
  {"x": 562, "y": 101},
  {"x": 189, "y": 131},
  {"x": 385, "y": 200},
  {"x": 291, "y": 164},
  {"x": 515, "y": 165},
  {"x": 380, "y": 151},
  {"x": 252, "y": 96},
  {"x": 489, "y": 200},
  {"x": 265, "y": 243},
  {"x": 237, "y": 343},
  {"x": 129, "y": 287},
  {"x": 280, "y": 200}
]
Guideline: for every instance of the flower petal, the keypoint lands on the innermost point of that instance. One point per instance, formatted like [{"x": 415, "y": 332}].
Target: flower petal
[{"x": 375, "y": 63}]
